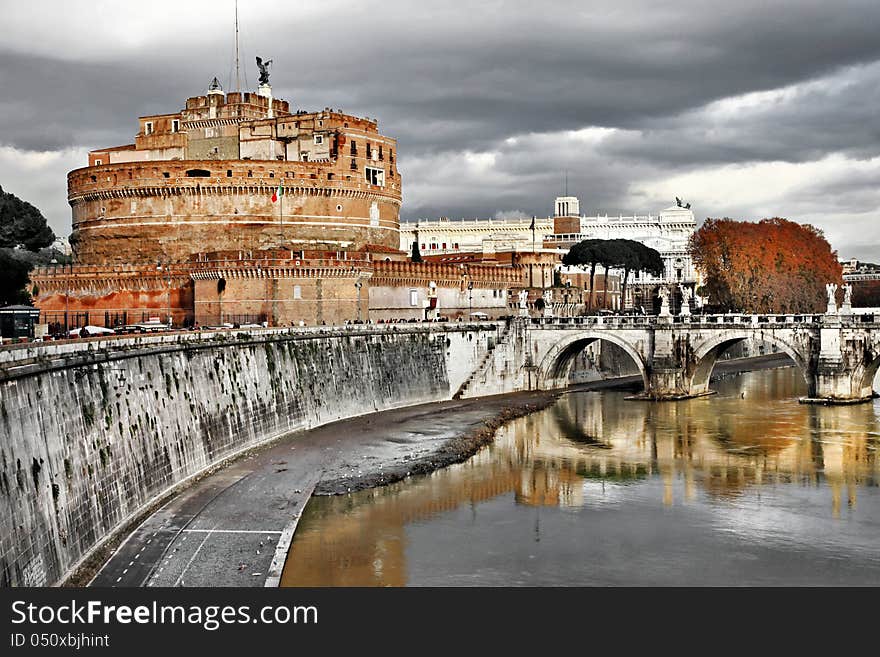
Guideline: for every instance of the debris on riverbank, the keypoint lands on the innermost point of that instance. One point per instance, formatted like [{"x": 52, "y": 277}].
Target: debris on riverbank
[{"x": 455, "y": 450}]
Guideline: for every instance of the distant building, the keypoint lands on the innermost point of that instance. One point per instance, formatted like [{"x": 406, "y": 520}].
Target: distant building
[
  {"x": 443, "y": 236},
  {"x": 668, "y": 232}
]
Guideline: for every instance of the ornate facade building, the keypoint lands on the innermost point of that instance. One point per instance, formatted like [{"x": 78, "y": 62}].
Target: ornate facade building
[{"x": 485, "y": 236}]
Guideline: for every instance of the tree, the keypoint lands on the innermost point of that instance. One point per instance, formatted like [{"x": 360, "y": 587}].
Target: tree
[
  {"x": 22, "y": 226},
  {"x": 13, "y": 279},
  {"x": 24, "y": 236},
  {"x": 587, "y": 252},
  {"x": 774, "y": 265},
  {"x": 632, "y": 256},
  {"x": 628, "y": 255}
]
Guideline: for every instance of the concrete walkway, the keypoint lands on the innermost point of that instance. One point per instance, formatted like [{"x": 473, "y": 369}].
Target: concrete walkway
[{"x": 234, "y": 527}]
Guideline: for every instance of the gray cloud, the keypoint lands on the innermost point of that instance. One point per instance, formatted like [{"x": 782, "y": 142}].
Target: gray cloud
[{"x": 446, "y": 81}]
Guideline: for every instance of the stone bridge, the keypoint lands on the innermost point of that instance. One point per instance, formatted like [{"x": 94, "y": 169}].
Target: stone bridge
[{"x": 838, "y": 355}]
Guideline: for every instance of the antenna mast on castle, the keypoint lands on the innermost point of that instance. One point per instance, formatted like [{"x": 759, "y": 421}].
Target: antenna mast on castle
[{"x": 237, "y": 65}]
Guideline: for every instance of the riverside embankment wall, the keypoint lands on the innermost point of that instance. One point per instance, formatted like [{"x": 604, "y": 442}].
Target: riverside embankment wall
[{"x": 92, "y": 434}]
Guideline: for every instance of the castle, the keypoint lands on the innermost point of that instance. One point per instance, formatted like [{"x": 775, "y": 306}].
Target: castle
[{"x": 237, "y": 209}]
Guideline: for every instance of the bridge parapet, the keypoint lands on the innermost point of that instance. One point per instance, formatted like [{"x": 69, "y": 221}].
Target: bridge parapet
[
  {"x": 617, "y": 321},
  {"x": 839, "y": 354}
]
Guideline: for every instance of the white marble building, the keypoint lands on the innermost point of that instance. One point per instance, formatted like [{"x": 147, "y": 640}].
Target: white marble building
[
  {"x": 668, "y": 232},
  {"x": 474, "y": 235}
]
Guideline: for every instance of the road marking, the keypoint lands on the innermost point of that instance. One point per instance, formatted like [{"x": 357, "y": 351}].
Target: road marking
[
  {"x": 235, "y": 531},
  {"x": 193, "y": 557}
]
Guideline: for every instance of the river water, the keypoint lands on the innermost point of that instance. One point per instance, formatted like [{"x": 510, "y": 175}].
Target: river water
[{"x": 746, "y": 487}]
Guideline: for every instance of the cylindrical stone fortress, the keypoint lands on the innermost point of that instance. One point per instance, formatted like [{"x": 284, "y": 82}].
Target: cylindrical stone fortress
[{"x": 204, "y": 179}]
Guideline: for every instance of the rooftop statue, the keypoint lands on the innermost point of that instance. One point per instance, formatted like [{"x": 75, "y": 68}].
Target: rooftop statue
[{"x": 264, "y": 70}]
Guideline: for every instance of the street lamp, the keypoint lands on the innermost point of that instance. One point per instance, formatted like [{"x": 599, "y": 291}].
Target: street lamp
[{"x": 470, "y": 298}]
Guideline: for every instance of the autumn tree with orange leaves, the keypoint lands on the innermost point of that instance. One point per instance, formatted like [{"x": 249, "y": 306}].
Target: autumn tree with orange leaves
[{"x": 772, "y": 266}]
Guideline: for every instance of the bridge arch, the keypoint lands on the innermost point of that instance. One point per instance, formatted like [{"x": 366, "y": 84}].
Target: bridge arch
[
  {"x": 555, "y": 368},
  {"x": 706, "y": 355},
  {"x": 869, "y": 367}
]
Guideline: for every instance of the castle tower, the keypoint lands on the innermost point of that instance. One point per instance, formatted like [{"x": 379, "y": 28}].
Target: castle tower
[
  {"x": 566, "y": 216},
  {"x": 201, "y": 179}
]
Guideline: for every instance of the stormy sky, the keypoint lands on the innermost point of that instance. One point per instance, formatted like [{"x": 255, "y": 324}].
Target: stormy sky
[{"x": 747, "y": 109}]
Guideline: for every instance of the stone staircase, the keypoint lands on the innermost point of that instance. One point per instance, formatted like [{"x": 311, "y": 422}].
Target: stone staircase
[{"x": 505, "y": 332}]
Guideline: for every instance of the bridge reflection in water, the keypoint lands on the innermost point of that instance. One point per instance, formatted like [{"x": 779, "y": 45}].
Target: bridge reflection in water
[{"x": 750, "y": 454}]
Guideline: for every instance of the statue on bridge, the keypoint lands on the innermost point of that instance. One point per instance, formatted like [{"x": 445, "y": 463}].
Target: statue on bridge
[
  {"x": 548, "y": 303},
  {"x": 524, "y": 303},
  {"x": 685, "y": 299},
  {"x": 663, "y": 293},
  {"x": 831, "y": 289},
  {"x": 846, "y": 306}
]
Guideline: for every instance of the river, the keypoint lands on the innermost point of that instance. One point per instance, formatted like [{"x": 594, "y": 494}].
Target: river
[{"x": 746, "y": 487}]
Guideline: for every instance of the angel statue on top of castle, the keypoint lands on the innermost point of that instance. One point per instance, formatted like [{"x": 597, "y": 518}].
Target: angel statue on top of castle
[{"x": 264, "y": 70}]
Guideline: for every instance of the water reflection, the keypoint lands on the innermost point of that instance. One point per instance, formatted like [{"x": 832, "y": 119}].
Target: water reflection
[{"x": 734, "y": 463}]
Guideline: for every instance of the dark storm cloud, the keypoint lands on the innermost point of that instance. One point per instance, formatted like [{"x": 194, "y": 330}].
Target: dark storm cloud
[
  {"x": 460, "y": 79},
  {"x": 805, "y": 122},
  {"x": 491, "y": 69},
  {"x": 60, "y": 103}
]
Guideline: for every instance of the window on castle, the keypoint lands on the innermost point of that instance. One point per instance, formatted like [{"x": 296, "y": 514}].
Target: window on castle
[
  {"x": 319, "y": 139},
  {"x": 229, "y": 173},
  {"x": 444, "y": 246},
  {"x": 380, "y": 152},
  {"x": 297, "y": 292},
  {"x": 148, "y": 128},
  {"x": 98, "y": 163},
  {"x": 175, "y": 125},
  {"x": 374, "y": 176},
  {"x": 413, "y": 297},
  {"x": 354, "y": 148},
  {"x": 198, "y": 173},
  {"x": 304, "y": 156}
]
